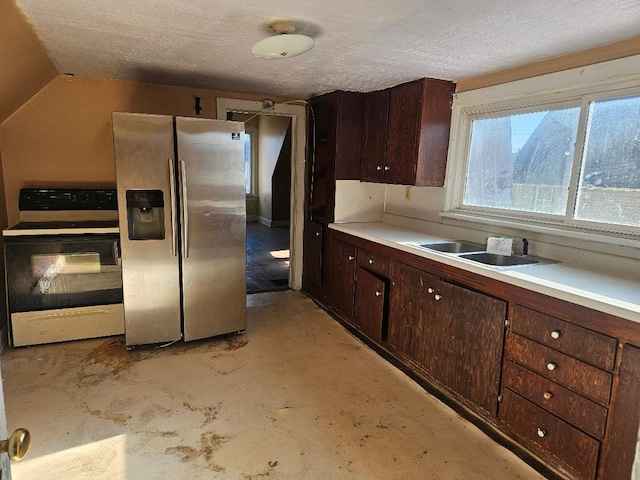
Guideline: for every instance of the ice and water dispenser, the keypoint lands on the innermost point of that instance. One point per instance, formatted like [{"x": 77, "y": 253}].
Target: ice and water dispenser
[{"x": 145, "y": 214}]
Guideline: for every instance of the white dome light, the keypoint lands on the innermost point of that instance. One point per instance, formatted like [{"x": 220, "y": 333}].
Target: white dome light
[{"x": 283, "y": 45}]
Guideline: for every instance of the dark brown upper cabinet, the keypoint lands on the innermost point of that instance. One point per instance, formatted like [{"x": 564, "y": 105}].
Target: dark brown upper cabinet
[
  {"x": 376, "y": 119},
  {"x": 334, "y": 149},
  {"x": 406, "y": 133}
]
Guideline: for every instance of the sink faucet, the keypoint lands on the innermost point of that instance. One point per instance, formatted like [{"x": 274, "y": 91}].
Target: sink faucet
[{"x": 525, "y": 247}]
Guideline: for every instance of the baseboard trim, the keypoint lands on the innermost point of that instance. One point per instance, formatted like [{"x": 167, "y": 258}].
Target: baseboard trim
[
  {"x": 252, "y": 218},
  {"x": 264, "y": 221}
]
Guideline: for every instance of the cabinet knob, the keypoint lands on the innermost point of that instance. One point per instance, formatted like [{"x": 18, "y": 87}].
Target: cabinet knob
[
  {"x": 542, "y": 433},
  {"x": 547, "y": 395},
  {"x": 386, "y": 168},
  {"x": 351, "y": 257},
  {"x": 378, "y": 294},
  {"x": 379, "y": 168},
  {"x": 371, "y": 261},
  {"x": 438, "y": 297},
  {"x": 430, "y": 290},
  {"x": 317, "y": 234},
  {"x": 556, "y": 334},
  {"x": 552, "y": 366}
]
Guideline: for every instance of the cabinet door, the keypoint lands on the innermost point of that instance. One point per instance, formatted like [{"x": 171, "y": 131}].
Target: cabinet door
[
  {"x": 376, "y": 117},
  {"x": 468, "y": 338},
  {"x": 341, "y": 277},
  {"x": 312, "y": 259},
  {"x": 434, "y": 128},
  {"x": 369, "y": 304},
  {"x": 418, "y": 132},
  {"x": 402, "y": 133},
  {"x": 349, "y": 135},
  {"x": 622, "y": 429},
  {"x": 411, "y": 312}
]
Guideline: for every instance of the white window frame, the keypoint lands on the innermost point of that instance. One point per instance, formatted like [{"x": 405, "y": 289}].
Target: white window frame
[{"x": 465, "y": 111}]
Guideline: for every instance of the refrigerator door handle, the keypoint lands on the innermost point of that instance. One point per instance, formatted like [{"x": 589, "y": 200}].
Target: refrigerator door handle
[
  {"x": 172, "y": 197},
  {"x": 183, "y": 210}
]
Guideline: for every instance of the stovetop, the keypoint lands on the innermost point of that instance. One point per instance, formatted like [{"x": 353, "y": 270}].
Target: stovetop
[
  {"x": 65, "y": 212},
  {"x": 65, "y": 225}
]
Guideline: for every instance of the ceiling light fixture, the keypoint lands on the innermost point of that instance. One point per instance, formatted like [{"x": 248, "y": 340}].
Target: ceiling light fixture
[{"x": 284, "y": 44}]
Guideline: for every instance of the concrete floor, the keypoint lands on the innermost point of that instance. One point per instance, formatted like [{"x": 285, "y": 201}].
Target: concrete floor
[{"x": 296, "y": 397}]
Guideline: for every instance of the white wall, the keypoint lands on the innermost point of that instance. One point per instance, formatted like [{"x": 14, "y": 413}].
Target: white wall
[{"x": 271, "y": 132}]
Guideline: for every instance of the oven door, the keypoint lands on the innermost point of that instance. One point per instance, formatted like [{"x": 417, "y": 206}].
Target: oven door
[{"x": 51, "y": 272}]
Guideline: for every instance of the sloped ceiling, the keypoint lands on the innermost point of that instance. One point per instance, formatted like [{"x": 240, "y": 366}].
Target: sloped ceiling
[
  {"x": 25, "y": 66},
  {"x": 361, "y": 45}
]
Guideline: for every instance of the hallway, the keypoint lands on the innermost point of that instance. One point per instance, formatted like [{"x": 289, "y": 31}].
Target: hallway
[
  {"x": 267, "y": 258},
  {"x": 296, "y": 397}
]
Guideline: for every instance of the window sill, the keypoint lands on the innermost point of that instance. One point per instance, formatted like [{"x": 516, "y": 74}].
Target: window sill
[{"x": 560, "y": 233}]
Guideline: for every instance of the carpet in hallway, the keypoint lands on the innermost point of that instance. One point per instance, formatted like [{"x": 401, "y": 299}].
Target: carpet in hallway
[{"x": 296, "y": 397}]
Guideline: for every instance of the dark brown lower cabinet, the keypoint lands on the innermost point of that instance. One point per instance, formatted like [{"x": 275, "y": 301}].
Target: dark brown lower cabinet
[
  {"x": 341, "y": 277},
  {"x": 469, "y": 337},
  {"x": 370, "y": 304},
  {"x": 410, "y": 312},
  {"x": 454, "y": 333},
  {"x": 624, "y": 419},
  {"x": 312, "y": 259},
  {"x": 549, "y": 435}
]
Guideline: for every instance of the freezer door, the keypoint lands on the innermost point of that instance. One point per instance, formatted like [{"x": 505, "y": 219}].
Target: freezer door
[
  {"x": 213, "y": 226},
  {"x": 144, "y": 153}
]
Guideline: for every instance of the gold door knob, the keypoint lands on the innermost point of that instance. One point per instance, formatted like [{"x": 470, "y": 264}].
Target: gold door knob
[{"x": 17, "y": 445}]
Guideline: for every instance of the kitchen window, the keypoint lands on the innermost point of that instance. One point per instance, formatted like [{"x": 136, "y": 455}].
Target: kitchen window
[{"x": 572, "y": 163}]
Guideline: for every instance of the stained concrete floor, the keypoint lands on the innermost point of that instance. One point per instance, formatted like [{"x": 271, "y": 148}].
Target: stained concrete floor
[{"x": 296, "y": 397}]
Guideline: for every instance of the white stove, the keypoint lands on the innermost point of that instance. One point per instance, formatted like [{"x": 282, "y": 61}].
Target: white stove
[{"x": 63, "y": 267}]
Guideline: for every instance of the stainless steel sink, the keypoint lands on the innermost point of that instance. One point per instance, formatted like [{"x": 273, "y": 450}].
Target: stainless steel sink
[
  {"x": 453, "y": 247},
  {"x": 499, "y": 260}
]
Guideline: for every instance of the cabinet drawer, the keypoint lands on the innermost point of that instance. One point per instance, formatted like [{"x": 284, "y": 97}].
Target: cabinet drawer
[
  {"x": 568, "y": 405},
  {"x": 579, "y": 342},
  {"x": 575, "y": 374},
  {"x": 374, "y": 263},
  {"x": 548, "y": 434}
]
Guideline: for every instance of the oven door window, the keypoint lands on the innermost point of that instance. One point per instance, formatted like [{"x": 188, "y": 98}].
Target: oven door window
[{"x": 52, "y": 272}]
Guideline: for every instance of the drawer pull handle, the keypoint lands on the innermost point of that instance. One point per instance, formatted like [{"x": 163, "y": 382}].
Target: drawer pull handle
[
  {"x": 351, "y": 257},
  {"x": 542, "y": 433},
  {"x": 556, "y": 334},
  {"x": 430, "y": 290},
  {"x": 547, "y": 395},
  {"x": 438, "y": 297},
  {"x": 370, "y": 261},
  {"x": 378, "y": 294},
  {"x": 552, "y": 366}
]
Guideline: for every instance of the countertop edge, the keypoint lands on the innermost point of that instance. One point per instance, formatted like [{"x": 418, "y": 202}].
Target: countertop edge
[{"x": 590, "y": 299}]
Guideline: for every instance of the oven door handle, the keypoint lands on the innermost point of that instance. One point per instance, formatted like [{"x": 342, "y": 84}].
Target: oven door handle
[
  {"x": 172, "y": 197},
  {"x": 184, "y": 219}
]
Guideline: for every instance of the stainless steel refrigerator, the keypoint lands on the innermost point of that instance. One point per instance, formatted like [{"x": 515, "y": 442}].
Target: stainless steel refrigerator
[{"x": 182, "y": 216}]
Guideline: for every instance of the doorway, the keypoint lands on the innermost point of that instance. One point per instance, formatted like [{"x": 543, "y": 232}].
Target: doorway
[
  {"x": 295, "y": 116},
  {"x": 268, "y": 196}
]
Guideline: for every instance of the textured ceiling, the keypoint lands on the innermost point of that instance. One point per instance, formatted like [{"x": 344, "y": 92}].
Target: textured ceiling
[{"x": 361, "y": 45}]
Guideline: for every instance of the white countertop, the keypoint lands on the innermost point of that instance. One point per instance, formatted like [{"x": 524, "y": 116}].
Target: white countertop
[{"x": 614, "y": 295}]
